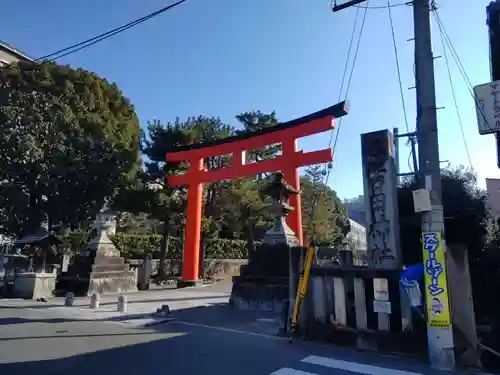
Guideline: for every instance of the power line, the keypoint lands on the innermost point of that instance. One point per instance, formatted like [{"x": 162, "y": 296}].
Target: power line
[
  {"x": 460, "y": 66},
  {"x": 454, "y": 53},
  {"x": 400, "y": 82},
  {"x": 445, "y": 54},
  {"x": 388, "y": 6},
  {"x": 351, "y": 75},
  {"x": 396, "y": 55},
  {"x": 108, "y": 34},
  {"x": 346, "y": 66},
  {"x": 333, "y": 3},
  {"x": 355, "y": 58},
  {"x": 316, "y": 196}
]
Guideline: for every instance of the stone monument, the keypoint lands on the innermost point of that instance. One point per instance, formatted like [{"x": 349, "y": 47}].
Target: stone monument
[
  {"x": 110, "y": 273},
  {"x": 264, "y": 282},
  {"x": 99, "y": 268}
]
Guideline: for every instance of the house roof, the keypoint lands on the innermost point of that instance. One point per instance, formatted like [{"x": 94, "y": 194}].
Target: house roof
[
  {"x": 41, "y": 237},
  {"x": 20, "y": 55}
]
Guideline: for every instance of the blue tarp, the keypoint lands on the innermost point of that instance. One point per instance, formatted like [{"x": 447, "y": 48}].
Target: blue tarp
[{"x": 414, "y": 272}]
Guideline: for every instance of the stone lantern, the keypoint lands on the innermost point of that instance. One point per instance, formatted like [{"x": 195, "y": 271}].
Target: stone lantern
[{"x": 279, "y": 191}]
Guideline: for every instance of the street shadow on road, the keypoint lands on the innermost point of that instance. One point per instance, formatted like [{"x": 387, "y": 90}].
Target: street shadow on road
[
  {"x": 45, "y": 305},
  {"x": 62, "y": 334},
  {"x": 215, "y": 314},
  {"x": 55, "y": 320},
  {"x": 224, "y": 316},
  {"x": 128, "y": 359},
  {"x": 221, "y": 325}
]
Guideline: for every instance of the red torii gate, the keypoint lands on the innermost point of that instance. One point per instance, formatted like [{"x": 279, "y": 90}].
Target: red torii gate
[{"x": 289, "y": 161}]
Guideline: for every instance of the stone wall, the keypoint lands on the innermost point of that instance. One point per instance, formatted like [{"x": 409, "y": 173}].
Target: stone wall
[{"x": 215, "y": 269}]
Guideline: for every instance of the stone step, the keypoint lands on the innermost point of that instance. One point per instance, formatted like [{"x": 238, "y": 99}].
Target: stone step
[
  {"x": 112, "y": 274},
  {"x": 109, "y": 260},
  {"x": 96, "y": 268}
]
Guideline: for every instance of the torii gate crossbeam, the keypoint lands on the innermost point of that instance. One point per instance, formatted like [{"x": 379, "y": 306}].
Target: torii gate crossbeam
[{"x": 289, "y": 161}]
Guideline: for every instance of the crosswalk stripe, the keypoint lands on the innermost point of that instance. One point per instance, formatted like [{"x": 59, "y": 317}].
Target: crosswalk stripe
[
  {"x": 353, "y": 366},
  {"x": 290, "y": 371}
]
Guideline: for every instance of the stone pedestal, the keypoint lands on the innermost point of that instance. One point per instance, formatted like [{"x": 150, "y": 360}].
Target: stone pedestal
[
  {"x": 264, "y": 283},
  {"x": 100, "y": 269},
  {"x": 31, "y": 285},
  {"x": 109, "y": 272},
  {"x": 269, "y": 280}
]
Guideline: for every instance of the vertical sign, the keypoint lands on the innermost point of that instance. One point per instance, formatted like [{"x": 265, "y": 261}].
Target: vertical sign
[
  {"x": 381, "y": 201},
  {"x": 436, "y": 285}
]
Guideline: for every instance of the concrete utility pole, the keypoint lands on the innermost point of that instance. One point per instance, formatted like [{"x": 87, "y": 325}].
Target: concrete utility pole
[
  {"x": 440, "y": 340},
  {"x": 439, "y": 328}
]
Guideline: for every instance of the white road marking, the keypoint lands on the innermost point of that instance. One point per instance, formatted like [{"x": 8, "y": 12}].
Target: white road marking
[
  {"x": 231, "y": 330},
  {"x": 290, "y": 371},
  {"x": 354, "y": 366},
  {"x": 266, "y": 320}
]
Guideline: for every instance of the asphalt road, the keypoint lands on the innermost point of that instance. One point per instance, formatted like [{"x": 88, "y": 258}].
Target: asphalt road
[{"x": 35, "y": 342}]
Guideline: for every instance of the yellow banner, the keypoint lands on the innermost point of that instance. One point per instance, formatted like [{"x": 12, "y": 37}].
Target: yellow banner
[{"x": 436, "y": 285}]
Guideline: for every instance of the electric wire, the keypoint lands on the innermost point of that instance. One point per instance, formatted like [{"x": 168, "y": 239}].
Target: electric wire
[
  {"x": 388, "y": 6},
  {"x": 453, "y": 51},
  {"x": 455, "y": 102},
  {"x": 346, "y": 66},
  {"x": 351, "y": 75},
  {"x": 400, "y": 82},
  {"x": 333, "y": 3},
  {"x": 108, "y": 34},
  {"x": 398, "y": 68},
  {"x": 459, "y": 64},
  {"x": 356, "y": 51}
]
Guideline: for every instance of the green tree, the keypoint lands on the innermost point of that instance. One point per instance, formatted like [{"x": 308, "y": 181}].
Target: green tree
[
  {"x": 254, "y": 121},
  {"x": 465, "y": 214},
  {"x": 150, "y": 193},
  {"x": 209, "y": 129},
  {"x": 241, "y": 201},
  {"x": 68, "y": 139},
  {"x": 245, "y": 211},
  {"x": 331, "y": 224}
]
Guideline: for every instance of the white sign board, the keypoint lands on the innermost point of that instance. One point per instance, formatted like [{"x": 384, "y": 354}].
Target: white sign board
[
  {"x": 488, "y": 107},
  {"x": 382, "y": 307},
  {"x": 380, "y": 289}
]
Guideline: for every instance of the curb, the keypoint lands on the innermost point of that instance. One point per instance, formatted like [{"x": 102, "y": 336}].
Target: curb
[{"x": 158, "y": 322}]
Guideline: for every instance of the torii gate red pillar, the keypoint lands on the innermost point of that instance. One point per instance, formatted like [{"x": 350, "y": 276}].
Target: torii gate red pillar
[{"x": 289, "y": 161}]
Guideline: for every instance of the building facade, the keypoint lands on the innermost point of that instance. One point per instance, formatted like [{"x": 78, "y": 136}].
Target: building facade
[
  {"x": 357, "y": 236},
  {"x": 9, "y": 54},
  {"x": 493, "y": 200}
]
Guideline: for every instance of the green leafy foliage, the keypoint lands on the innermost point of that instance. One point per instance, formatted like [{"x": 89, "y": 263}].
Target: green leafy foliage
[
  {"x": 134, "y": 246},
  {"x": 232, "y": 210},
  {"x": 328, "y": 224},
  {"x": 465, "y": 215},
  {"x": 68, "y": 139}
]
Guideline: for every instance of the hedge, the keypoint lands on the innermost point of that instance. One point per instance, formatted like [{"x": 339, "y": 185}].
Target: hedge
[{"x": 133, "y": 246}]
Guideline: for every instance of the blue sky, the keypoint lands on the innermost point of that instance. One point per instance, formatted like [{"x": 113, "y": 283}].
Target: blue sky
[{"x": 223, "y": 57}]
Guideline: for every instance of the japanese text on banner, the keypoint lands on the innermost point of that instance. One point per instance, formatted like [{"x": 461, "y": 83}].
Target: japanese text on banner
[{"x": 436, "y": 287}]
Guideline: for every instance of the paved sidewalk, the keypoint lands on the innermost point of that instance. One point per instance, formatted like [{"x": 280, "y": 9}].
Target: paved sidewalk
[{"x": 140, "y": 307}]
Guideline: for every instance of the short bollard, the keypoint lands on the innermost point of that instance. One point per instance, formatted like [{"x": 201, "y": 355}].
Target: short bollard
[
  {"x": 69, "y": 300},
  {"x": 94, "y": 301},
  {"x": 122, "y": 303}
]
